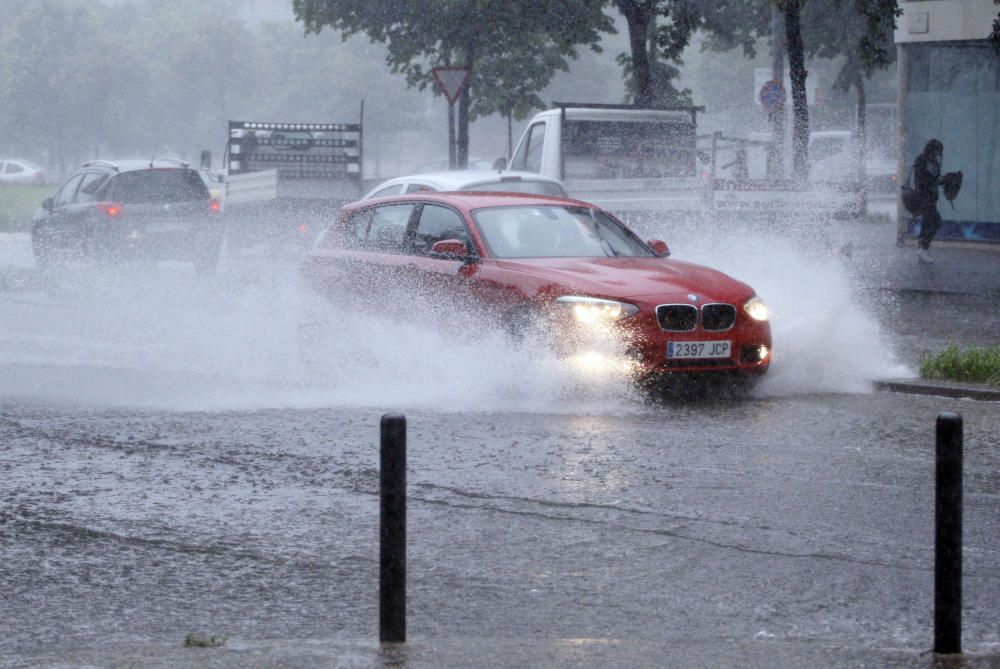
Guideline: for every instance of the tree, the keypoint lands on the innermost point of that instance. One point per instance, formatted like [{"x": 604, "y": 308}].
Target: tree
[
  {"x": 511, "y": 48},
  {"x": 57, "y": 59},
  {"x": 795, "y": 48},
  {"x": 860, "y": 32},
  {"x": 660, "y": 30}
]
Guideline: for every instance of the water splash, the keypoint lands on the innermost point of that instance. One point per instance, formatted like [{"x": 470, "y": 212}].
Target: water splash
[{"x": 162, "y": 336}]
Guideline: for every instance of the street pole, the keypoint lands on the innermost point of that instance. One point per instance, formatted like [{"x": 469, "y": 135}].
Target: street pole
[
  {"x": 392, "y": 529},
  {"x": 948, "y": 535}
]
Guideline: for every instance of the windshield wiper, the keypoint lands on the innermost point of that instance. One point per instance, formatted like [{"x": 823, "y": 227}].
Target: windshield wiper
[{"x": 608, "y": 248}]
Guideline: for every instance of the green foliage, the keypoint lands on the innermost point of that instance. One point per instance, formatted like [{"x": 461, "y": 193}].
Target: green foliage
[
  {"x": 198, "y": 641},
  {"x": 126, "y": 79},
  {"x": 512, "y": 47},
  {"x": 660, "y": 30},
  {"x": 974, "y": 364},
  {"x": 18, "y": 204}
]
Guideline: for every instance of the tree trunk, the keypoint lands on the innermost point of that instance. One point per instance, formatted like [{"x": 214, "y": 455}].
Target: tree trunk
[
  {"x": 859, "y": 85},
  {"x": 797, "y": 73},
  {"x": 776, "y": 152},
  {"x": 638, "y": 19},
  {"x": 463, "y": 114}
]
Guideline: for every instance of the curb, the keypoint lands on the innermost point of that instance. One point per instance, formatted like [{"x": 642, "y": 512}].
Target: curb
[{"x": 940, "y": 389}]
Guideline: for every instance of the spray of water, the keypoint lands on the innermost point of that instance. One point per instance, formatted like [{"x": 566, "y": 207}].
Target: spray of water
[{"x": 255, "y": 336}]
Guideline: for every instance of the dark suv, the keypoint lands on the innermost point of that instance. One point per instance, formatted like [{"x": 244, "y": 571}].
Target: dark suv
[{"x": 106, "y": 211}]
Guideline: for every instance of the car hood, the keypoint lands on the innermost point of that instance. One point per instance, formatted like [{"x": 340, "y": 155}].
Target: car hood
[{"x": 629, "y": 278}]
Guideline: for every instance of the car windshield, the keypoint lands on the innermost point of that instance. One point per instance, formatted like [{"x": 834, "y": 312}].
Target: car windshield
[
  {"x": 157, "y": 186},
  {"x": 519, "y": 186},
  {"x": 555, "y": 231}
]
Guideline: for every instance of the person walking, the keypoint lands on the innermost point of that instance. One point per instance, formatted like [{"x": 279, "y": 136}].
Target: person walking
[{"x": 926, "y": 179}]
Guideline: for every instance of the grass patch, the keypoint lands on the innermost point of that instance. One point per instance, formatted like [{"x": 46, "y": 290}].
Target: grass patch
[
  {"x": 198, "y": 641},
  {"x": 974, "y": 365},
  {"x": 18, "y": 204}
]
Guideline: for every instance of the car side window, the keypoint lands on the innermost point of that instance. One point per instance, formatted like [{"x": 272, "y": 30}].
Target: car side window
[
  {"x": 437, "y": 223},
  {"x": 418, "y": 188},
  {"x": 88, "y": 188},
  {"x": 529, "y": 154},
  {"x": 377, "y": 228},
  {"x": 14, "y": 168},
  {"x": 67, "y": 193}
]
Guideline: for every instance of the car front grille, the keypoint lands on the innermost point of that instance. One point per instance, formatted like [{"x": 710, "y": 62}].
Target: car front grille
[
  {"x": 677, "y": 317},
  {"x": 717, "y": 317},
  {"x": 684, "y": 317}
]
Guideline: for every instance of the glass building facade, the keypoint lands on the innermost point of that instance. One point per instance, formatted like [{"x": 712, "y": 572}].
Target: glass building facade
[{"x": 953, "y": 94}]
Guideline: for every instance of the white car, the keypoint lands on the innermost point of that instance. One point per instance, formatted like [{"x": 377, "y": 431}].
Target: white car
[
  {"x": 13, "y": 171},
  {"x": 470, "y": 180},
  {"x": 833, "y": 157}
]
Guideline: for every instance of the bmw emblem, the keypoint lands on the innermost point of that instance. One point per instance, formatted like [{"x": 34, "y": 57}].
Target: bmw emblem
[{"x": 692, "y": 297}]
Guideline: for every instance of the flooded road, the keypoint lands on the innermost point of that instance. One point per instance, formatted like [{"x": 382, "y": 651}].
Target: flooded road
[
  {"x": 170, "y": 465},
  {"x": 804, "y": 518}
]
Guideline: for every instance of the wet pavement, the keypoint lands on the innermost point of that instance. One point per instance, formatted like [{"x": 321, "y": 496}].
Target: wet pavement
[
  {"x": 156, "y": 486},
  {"x": 770, "y": 532}
]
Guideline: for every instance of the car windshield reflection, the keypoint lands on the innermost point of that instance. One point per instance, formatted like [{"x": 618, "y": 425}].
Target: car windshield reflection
[{"x": 555, "y": 232}]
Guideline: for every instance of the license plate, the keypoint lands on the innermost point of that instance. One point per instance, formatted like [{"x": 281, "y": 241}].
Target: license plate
[{"x": 698, "y": 349}]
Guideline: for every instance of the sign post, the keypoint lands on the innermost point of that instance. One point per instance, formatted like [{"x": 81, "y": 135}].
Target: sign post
[
  {"x": 451, "y": 81},
  {"x": 772, "y": 98}
]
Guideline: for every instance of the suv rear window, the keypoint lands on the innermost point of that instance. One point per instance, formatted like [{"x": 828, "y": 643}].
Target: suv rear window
[{"x": 157, "y": 186}]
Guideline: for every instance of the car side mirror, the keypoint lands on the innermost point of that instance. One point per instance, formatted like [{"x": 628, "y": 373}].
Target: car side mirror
[
  {"x": 659, "y": 247},
  {"x": 450, "y": 249},
  {"x": 500, "y": 164},
  {"x": 47, "y": 204}
]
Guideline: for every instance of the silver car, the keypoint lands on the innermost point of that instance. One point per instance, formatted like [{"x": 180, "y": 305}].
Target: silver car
[{"x": 470, "y": 180}]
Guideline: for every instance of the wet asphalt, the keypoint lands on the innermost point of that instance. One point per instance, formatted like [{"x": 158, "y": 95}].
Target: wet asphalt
[{"x": 787, "y": 530}]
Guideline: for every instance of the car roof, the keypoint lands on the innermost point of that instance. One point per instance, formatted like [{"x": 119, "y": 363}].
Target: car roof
[
  {"x": 475, "y": 200},
  {"x": 135, "y": 164},
  {"x": 20, "y": 161},
  {"x": 585, "y": 113},
  {"x": 459, "y": 179}
]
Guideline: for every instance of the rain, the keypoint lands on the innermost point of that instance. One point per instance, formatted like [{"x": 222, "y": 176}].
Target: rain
[{"x": 192, "y": 373}]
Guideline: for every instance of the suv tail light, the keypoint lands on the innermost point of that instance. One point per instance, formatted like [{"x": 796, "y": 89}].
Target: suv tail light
[
  {"x": 110, "y": 209},
  {"x": 214, "y": 206}
]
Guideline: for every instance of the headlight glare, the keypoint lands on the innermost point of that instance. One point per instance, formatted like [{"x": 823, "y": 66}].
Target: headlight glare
[
  {"x": 756, "y": 309},
  {"x": 596, "y": 310}
]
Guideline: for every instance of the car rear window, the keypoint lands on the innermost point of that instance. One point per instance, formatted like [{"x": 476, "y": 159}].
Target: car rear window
[
  {"x": 156, "y": 186},
  {"x": 521, "y": 186}
]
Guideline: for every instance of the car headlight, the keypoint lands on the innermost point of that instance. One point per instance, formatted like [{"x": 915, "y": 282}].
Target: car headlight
[
  {"x": 595, "y": 309},
  {"x": 756, "y": 309}
]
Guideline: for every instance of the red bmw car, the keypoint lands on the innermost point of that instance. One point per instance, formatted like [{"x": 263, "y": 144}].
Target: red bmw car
[{"x": 569, "y": 268}]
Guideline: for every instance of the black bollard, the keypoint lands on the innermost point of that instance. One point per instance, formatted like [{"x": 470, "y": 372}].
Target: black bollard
[
  {"x": 948, "y": 536},
  {"x": 392, "y": 530}
]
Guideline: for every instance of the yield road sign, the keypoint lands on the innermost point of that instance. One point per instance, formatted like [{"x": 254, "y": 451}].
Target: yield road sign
[{"x": 451, "y": 81}]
